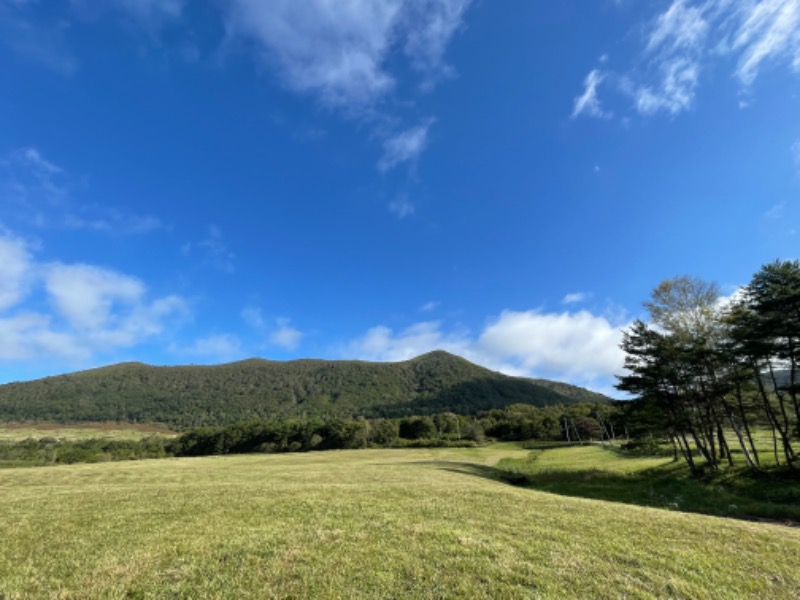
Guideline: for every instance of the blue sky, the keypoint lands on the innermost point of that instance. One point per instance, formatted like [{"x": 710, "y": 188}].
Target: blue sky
[{"x": 197, "y": 182}]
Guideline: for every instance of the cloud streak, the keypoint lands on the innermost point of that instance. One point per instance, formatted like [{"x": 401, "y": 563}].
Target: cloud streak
[
  {"x": 588, "y": 102},
  {"x": 687, "y": 40}
]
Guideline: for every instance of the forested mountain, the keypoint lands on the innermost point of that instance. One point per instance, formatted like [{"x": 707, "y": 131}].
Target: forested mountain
[{"x": 190, "y": 396}]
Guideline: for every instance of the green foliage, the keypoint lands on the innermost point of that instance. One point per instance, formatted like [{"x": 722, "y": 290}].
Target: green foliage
[
  {"x": 49, "y": 451},
  {"x": 193, "y": 396},
  {"x": 516, "y": 423},
  {"x": 708, "y": 370}
]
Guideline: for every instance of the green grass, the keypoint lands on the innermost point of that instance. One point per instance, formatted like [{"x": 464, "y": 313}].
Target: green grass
[
  {"x": 605, "y": 473},
  {"x": 368, "y": 523}
]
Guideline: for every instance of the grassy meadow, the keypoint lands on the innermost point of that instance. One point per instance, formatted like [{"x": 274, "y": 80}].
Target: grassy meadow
[
  {"x": 15, "y": 432},
  {"x": 420, "y": 523}
]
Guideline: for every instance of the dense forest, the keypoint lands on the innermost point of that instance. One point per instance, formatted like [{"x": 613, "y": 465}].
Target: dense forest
[
  {"x": 193, "y": 396},
  {"x": 580, "y": 422},
  {"x": 709, "y": 373}
]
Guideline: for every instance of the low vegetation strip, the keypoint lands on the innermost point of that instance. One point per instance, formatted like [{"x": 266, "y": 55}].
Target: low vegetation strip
[{"x": 366, "y": 523}]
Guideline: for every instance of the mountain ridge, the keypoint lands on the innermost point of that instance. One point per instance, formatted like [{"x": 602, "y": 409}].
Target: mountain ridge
[{"x": 188, "y": 396}]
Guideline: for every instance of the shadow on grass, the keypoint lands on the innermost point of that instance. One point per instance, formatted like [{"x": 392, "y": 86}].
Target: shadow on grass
[
  {"x": 465, "y": 468},
  {"x": 737, "y": 493},
  {"x": 772, "y": 496}
]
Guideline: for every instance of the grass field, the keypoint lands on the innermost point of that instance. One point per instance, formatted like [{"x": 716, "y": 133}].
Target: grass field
[
  {"x": 605, "y": 473},
  {"x": 14, "y": 432},
  {"x": 366, "y": 523}
]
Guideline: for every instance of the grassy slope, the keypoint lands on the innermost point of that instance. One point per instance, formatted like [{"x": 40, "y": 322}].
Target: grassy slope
[
  {"x": 190, "y": 396},
  {"x": 371, "y": 523}
]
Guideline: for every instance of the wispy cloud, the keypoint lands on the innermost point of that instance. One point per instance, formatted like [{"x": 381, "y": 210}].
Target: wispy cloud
[
  {"x": 776, "y": 211},
  {"x": 431, "y": 25},
  {"x": 795, "y": 149},
  {"x": 213, "y": 251},
  {"x": 588, "y": 102},
  {"x": 253, "y": 317},
  {"x": 112, "y": 221},
  {"x": 30, "y": 180},
  {"x": 674, "y": 48},
  {"x": 285, "y": 336},
  {"x": 769, "y": 29},
  {"x": 278, "y": 332},
  {"x": 36, "y": 40},
  {"x": 405, "y": 146},
  {"x": 690, "y": 38},
  {"x": 401, "y": 207},
  {"x": 38, "y": 191},
  {"x": 429, "y": 306},
  {"x": 576, "y": 297}
]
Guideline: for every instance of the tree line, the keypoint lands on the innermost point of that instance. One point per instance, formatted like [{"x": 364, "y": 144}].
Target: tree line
[
  {"x": 710, "y": 373},
  {"x": 519, "y": 422}
]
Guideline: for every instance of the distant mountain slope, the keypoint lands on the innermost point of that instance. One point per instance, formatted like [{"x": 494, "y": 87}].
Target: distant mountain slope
[{"x": 190, "y": 396}]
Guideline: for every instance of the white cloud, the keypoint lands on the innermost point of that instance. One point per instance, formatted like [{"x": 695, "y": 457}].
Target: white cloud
[
  {"x": 690, "y": 37},
  {"x": 768, "y": 29},
  {"x": 576, "y": 297},
  {"x": 675, "y": 45},
  {"x": 577, "y": 347},
  {"x": 94, "y": 309},
  {"x": 85, "y": 295},
  {"x": 382, "y": 344},
  {"x": 285, "y": 336},
  {"x": 588, "y": 103},
  {"x": 401, "y": 207},
  {"x": 337, "y": 49},
  {"x": 429, "y": 306},
  {"x": 332, "y": 49},
  {"x": 279, "y": 332},
  {"x": 676, "y": 91},
  {"x": 681, "y": 27},
  {"x": 405, "y": 146},
  {"x": 16, "y": 267}
]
